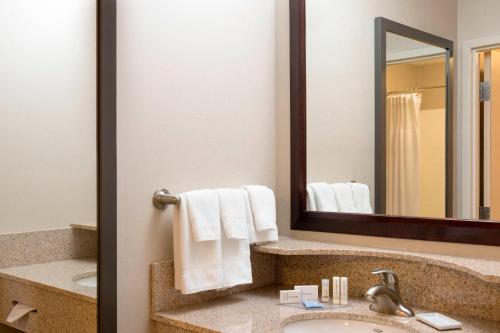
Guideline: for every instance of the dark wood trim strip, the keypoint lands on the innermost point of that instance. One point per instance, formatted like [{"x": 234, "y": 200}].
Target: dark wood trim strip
[
  {"x": 107, "y": 182},
  {"x": 298, "y": 107},
  {"x": 442, "y": 230}
]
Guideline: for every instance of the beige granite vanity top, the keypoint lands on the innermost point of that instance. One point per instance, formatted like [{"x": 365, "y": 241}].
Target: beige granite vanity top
[
  {"x": 92, "y": 227},
  {"x": 486, "y": 270},
  {"x": 56, "y": 277},
  {"x": 258, "y": 310}
]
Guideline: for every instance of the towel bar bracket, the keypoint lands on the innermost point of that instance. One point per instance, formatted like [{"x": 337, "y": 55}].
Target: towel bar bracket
[{"x": 162, "y": 198}]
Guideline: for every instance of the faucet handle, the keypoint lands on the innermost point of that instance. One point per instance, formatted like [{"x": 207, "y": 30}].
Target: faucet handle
[{"x": 387, "y": 278}]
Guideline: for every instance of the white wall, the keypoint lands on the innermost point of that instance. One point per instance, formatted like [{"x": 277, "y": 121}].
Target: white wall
[
  {"x": 196, "y": 108},
  {"x": 47, "y": 114}
]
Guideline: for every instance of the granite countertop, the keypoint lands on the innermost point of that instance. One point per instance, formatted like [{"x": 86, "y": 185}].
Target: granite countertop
[
  {"x": 258, "y": 310},
  {"x": 56, "y": 277},
  {"x": 486, "y": 270},
  {"x": 82, "y": 226}
]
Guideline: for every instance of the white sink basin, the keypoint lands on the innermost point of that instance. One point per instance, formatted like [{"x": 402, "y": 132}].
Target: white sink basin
[
  {"x": 338, "y": 326},
  {"x": 87, "y": 279}
]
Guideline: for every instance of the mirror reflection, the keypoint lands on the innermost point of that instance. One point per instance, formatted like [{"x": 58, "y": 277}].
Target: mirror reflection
[
  {"x": 415, "y": 128},
  {"x": 439, "y": 156},
  {"x": 48, "y": 192}
]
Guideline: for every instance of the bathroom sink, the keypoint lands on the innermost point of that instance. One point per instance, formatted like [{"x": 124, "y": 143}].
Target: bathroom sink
[
  {"x": 338, "y": 325},
  {"x": 87, "y": 279}
]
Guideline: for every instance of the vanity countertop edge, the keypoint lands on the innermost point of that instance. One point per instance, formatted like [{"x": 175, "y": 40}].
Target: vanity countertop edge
[{"x": 484, "y": 269}]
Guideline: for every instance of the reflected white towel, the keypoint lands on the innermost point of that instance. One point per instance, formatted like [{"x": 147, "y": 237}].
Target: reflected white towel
[
  {"x": 361, "y": 194},
  {"x": 311, "y": 201},
  {"x": 344, "y": 197},
  {"x": 254, "y": 236},
  {"x": 204, "y": 214},
  {"x": 197, "y": 265},
  {"x": 325, "y": 197},
  {"x": 233, "y": 212},
  {"x": 263, "y": 205}
]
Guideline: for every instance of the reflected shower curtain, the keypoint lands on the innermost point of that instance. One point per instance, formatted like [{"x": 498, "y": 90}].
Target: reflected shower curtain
[{"x": 403, "y": 154}]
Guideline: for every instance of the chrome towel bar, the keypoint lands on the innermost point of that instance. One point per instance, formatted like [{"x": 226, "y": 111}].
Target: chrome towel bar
[{"x": 162, "y": 198}]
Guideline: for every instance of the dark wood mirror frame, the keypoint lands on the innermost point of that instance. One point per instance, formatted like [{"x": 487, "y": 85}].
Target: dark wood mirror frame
[
  {"x": 431, "y": 229},
  {"x": 106, "y": 160}
]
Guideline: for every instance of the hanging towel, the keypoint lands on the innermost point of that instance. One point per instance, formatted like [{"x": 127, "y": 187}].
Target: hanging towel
[
  {"x": 254, "y": 236},
  {"x": 233, "y": 212},
  {"x": 344, "y": 197},
  {"x": 204, "y": 214},
  {"x": 311, "y": 201},
  {"x": 263, "y": 206},
  {"x": 197, "y": 265},
  {"x": 361, "y": 194},
  {"x": 236, "y": 265},
  {"x": 324, "y": 197}
]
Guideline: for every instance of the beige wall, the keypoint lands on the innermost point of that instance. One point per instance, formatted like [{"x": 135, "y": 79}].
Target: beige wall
[
  {"x": 196, "y": 108},
  {"x": 47, "y": 114}
]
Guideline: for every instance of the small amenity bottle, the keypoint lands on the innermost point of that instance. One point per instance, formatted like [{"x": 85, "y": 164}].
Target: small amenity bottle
[
  {"x": 325, "y": 290},
  {"x": 336, "y": 290},
  {"x": 344, "y": 291}
]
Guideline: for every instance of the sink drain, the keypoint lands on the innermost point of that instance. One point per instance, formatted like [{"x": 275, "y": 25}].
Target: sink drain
[{"x": 378, "y": 330}]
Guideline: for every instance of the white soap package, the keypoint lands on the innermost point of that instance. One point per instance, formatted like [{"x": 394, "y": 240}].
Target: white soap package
[
  {"x": 438, "y": 321},
  {"x": 309, "y": 293}
]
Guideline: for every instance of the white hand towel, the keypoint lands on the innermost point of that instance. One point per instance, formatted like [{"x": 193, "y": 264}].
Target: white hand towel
[
  {"x": 233, "y": 212},
  {"x": 311, "y": 201},
  {"x": 204, "y": 214},
  {"x": 254, "y": 236},
  {"x": 361, "y": 194},
  {"x": 325, "y": 197},
  {"x": 344, "y": 197},
  {"x": 197, "y": 265},
  {"x": 263, "y": 206},
  {"x": 236, "y": 265}
]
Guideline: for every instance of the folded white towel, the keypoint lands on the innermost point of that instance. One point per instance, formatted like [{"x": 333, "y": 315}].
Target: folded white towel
[
  {"x": 254, "y": 236},
  {"x": 263, "y": 205},
  {"x": 204, "y": 214},
  {"x": 311, "y": 201},
  {"x": 233, "y": 212},
  {"x": 344, "y": 197},
  {"x": 324, "y": 197},
  {"x": 197, "y": 265},
  {"x": 361, "y": 194}
]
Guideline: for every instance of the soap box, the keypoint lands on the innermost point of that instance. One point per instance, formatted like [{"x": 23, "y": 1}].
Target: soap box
[
  {"x": 290, "y": 296},
  {"x": 309, "y": 293}
]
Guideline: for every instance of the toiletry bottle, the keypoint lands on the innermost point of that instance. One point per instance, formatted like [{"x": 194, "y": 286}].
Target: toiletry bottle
[
  {"x": 336, "y": 290},
  {"x": 325, "y": 290},
  {"x": 344, "y": 291}
]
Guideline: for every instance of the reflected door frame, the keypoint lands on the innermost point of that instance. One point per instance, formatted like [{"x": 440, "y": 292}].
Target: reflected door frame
[{"x": 468, "y": 186}]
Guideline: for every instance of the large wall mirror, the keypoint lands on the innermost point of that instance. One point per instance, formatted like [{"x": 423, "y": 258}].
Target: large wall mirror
[
  {"x": 58, "y": 166},
  {"x": 376, "y": 149}
]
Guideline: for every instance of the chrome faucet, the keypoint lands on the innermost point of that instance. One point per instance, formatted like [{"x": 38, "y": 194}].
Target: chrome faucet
[{"x": 385, "y": 297}]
